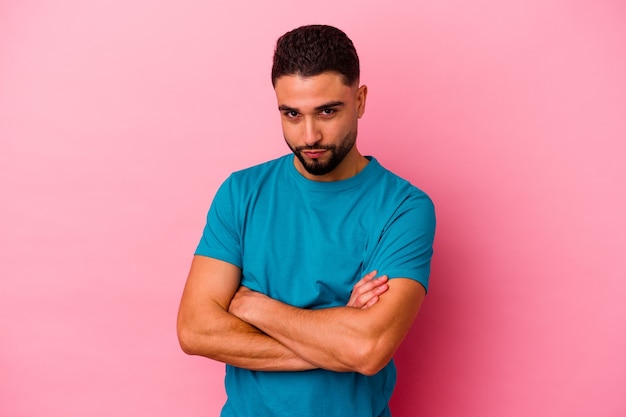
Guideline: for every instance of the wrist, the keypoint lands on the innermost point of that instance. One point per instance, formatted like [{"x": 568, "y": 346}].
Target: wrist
[{"x": 245, "y": 303}]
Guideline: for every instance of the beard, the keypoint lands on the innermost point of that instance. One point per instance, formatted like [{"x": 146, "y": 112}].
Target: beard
[{"x": 337, "y": 155}]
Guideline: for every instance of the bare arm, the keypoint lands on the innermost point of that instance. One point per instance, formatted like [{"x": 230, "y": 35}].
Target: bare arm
[
  {"x": 340, "y": 339},
  {"x": 206, "y": 328}
]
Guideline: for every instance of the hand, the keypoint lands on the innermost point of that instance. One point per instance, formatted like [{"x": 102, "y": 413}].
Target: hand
[
  {"x": 365, "y": 293},
  {"x": 240, "y": 301}
]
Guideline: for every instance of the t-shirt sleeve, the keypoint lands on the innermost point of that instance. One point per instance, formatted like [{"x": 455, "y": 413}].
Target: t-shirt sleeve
[
  {"x": 405, "y": 247},
  {"x": 221, "y": 236}
]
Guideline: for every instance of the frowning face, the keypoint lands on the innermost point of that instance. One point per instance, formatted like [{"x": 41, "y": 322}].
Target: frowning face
[{"x": 319, "y": 117}]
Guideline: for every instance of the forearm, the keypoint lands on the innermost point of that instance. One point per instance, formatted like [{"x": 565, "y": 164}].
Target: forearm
[
  {"x": 336, "y": 339},
  {"x": 340, "y": 339},
  {"x": 228, "y": 339},
  {"x": 205, "y": 327}
]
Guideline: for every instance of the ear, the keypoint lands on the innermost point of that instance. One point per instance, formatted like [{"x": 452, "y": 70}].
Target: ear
[{"x": 361, "y": 96}]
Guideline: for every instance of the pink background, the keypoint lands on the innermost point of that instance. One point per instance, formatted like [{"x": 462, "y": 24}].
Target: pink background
[{"x": 119, "y": 119}]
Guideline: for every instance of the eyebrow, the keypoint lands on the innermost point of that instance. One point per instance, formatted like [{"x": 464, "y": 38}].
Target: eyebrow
[{"x": 324, "y": 106}]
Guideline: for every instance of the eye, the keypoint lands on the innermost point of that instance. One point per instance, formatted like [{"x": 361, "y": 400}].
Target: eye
[
  {"x": 328, "y": 112},
  {"x": 291, "y": 114}
]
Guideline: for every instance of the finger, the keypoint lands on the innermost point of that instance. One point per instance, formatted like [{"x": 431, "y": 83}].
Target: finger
[
  {"x": 371, "y": 297},
  {"x": 366, "y": 278},
  {"x": 370, "y": 285},
  {"x": 371, "y": 302},
  {"x": 367, "y": 292}
]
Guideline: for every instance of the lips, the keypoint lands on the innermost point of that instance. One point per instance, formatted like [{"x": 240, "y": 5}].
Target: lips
[{"x": 314, "y": 154}]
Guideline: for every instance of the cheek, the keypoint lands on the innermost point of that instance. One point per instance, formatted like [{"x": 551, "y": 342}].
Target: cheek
[
  {"x": 291, "y": 133},
  {"x": 288, "y": 130},
  {"x": 340, "y": 128}
]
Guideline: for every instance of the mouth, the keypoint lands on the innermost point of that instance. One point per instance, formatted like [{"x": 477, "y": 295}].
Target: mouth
[{"x": 314, "y": 153}]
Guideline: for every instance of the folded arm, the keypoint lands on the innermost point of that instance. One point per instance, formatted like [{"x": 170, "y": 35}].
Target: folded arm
[
  {"x": 340, "y": 339},
  {"x": 206, "y": 328}
]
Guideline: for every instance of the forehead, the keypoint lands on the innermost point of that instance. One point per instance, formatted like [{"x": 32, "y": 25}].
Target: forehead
[{"x": 309, "y": 92}]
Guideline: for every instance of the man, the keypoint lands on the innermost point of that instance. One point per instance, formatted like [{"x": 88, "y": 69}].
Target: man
[{"x": 311, "y": 267}]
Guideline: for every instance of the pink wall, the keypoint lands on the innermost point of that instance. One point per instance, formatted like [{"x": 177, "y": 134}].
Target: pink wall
[{"x": 119, "y": 119}]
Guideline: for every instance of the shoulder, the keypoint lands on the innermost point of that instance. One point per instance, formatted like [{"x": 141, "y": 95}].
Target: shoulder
[
  {"x": 250, "y": 179},
  {"x": 400, "y": 190},
  {"x": 253, "y": 186},
  {"x": 260, "y": 172}
]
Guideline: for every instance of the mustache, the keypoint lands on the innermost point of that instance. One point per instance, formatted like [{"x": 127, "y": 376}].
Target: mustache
[{"x": 315, "y": 148}]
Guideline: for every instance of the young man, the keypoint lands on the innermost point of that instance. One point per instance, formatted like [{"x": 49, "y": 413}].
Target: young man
[{"x": 311, "y": 267}]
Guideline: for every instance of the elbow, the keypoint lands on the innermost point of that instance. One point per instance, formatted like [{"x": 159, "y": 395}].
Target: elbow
[
  {"x": 187, "y": 340},
  {"x": 372, "y": 367},
  {"x": 372, "y": 370},
  {"x": 371, "y": 358}
]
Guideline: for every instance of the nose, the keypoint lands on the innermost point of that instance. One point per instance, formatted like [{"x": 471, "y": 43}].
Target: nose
[{"x": 312, "y": 133}]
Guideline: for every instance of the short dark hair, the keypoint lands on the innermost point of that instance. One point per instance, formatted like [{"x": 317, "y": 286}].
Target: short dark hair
[{"x": 314, "y": 49}]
